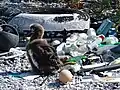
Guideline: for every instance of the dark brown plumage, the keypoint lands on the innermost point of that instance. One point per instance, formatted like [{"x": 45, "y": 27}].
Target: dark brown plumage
[{"x": 42, "y": 56}]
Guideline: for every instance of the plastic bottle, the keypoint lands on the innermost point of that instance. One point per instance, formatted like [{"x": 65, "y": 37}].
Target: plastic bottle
[
  {"x": 96, "y": 42},
  {"x": 111, "y": 40},
  {"x": 104, "y": 27},
  {"x": 91, "y": 32},
  {"x": 91, "y": 35}
]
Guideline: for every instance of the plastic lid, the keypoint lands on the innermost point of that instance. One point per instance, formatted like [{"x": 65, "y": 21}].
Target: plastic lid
[{"x": 102, "y": 37}]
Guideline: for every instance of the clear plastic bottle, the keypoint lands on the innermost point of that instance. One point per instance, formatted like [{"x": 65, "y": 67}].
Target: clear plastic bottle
[
  {"x": 91, "y": 32},
  {"x": 91, "y": 35},
  {"x": 98, "y": 40},
  {"x": 111, "y": 39}
]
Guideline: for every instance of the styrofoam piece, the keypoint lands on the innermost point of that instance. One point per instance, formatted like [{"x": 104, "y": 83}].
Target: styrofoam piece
[{"x": 23, "y": 20}]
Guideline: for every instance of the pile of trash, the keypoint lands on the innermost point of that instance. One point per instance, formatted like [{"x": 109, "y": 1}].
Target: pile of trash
[
  {"x": 91, "y": 53},
  {"x": 92, "y": 58},
  {"x": 91, "y": 70}
]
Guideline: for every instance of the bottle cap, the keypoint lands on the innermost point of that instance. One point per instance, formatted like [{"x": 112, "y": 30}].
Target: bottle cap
[{"x": 101, "y": 36}]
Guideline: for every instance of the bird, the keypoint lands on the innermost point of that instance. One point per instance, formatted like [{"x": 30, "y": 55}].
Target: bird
[
  {"x": 42, "y": 56},
  {"x": 37, "y": 31}
]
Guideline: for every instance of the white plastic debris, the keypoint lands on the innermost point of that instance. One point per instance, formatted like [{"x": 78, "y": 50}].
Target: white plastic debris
[
  {"x": 91, "y": 32},
  {"x": 75, "y": 44},
  {"x": 14, "y": 52},
  {"x": 111, "y": 40},
  {"x": 72, "y": 38},
  {"x": 55, "y": 42},
  {"x": 96, "y": 42},
  {"x": 83, "y": 36},
  {"x": 60, "y": 50},
  {"x": 78, "y": 44}
]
